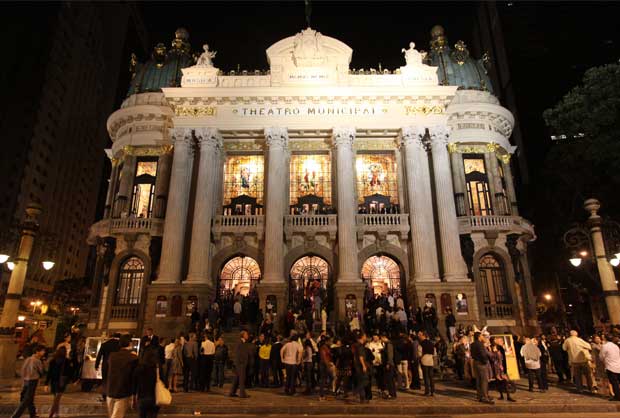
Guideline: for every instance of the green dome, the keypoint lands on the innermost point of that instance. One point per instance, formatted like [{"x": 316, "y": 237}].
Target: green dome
[
  {"x": 456, "y": 66},
  {"x": 163, "y": 69}
]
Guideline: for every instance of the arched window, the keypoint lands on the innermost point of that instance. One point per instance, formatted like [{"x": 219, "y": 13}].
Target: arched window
[
  {"x": 144, "y": 188},
  {"x": 130, "y": 282},
  {"x": 309, "y": 278},
  {"x": 239, "y": 275},
  {"x": 493, "y": 281},
  {"x": 477, "y": 185},
  {"x": 383, "y": 274}
]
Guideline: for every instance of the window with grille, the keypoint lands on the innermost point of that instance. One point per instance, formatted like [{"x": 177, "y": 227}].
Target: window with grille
[
  {"x": 493, "y": 281},
  {"x": 130, "y": 282},
  {"x": 477, "y": 182}
]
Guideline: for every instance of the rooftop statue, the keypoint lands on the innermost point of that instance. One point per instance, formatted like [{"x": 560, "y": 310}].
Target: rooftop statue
[
  {"x": 412, "y": 56},
  {"x": 206, "y": 58},
  {"x": 308, "y": 48}
]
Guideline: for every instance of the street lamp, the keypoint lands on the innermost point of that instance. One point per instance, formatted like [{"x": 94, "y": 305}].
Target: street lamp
[
  {"x": 48, "y": 265},
  {"x": 10, "y": 265},
  {"x": 547, "y": 297},
  {"x": 3, "y": 258},
  {"x": 602, "y": 239}
]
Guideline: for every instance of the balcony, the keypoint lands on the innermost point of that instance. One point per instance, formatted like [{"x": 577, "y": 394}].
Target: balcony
[
  {"x": 382, "y": 224},
  {"x": 510, "y": 224},
  {"x": 125, "y": 312},
  {"x": 238, "y": 225},
  {"x": 310, "y": 225},
  {"x": 119, "y": 226},
  {"x": 498, "y": 311}
]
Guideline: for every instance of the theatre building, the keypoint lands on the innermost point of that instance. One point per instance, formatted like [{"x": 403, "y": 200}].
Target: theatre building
[{"x": 310, "y": 181}]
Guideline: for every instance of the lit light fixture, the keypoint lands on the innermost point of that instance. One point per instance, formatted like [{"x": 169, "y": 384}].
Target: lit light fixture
[
  {"x": 570, "y": 305},
  {"x": 3, "y": 258},
  {"x": 576, "y": 261},
  {"x": 617, "y": 256},
  {"x": 48, "y": 265},
  {"x": 10, "y": 265},
  {"x": 614, "y": 262},
  {"x": 21, "y": 318},
  {"x": 547, "y": 296},
  {"x": 583, "y": 253}
]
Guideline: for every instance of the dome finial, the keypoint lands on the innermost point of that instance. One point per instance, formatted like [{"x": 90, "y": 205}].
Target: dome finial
[
  {"x": 439, "y": 41},
  {"x": 181, "y": 40}
]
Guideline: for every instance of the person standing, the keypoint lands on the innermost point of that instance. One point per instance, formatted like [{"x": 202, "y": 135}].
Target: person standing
[
  {"x": 427, "y": 348},
  {"x": 579, "y": 357},
  {"x": 176, "y": 365},
  {"x": 58, "y": 375},
  {"x": 308, "y": 366},
  {"x": 207, "y": 352},
  {"x": 148, "y": 341},
  {"x": 276, "y": 362},
  {"x": 190, "y": 364},
  {"x": 499, "y": 371},
  {"x": 244, "y": 359},
  {"x": 219, "y": 361},
  {"x": 145, "y": 378},
  {"x": 107, "y": 348},
  {"x": 557, "y": 358},
  {"x": 32, "y": 371},
  {"x": 360, "y": 367},
  {"x": 480, "y": 355},
  {"x": 531, "y": 355},
  {"x": 610, "y": 355},
  {"x": 389, "y": 368},
  {"x": 264, "y": 360},
  {"x": 237, "y": 310},
  {"x": 291, "y": 355},
  {"x": 450, "y": 325},
  {"x": 326, "y": 365},
  {"x": 120, "y": 388}
]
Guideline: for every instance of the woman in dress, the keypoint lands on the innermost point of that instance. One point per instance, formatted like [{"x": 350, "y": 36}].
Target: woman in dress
[
  {"x": 58, "y": 376},
  {"x": 501, "y": 379},
  {"x": 176, "y": 367},
  {"x": 145, "y": 378}
]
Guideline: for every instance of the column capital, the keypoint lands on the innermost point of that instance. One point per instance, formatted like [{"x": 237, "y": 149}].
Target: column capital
[
  {"x": 440, "y": 135},
  {"x": 343, "y": 136},
  {"x": 181, "y": 136},
  {"x": 209, "y": 138},
  {"x": 276, "y": 137},
  {"x": 413, "y": 136}
]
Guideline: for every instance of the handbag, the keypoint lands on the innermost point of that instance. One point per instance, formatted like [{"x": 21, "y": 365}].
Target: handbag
[{"x": 162, "y": 394}]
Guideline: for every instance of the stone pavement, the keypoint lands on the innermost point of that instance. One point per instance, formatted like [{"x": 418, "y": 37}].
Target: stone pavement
[{"x": 451, "y": 399}]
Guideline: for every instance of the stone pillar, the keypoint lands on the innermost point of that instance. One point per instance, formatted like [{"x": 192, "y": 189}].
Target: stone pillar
[
  {"x": 125, "y": 188},
  {"x": 171, "y": 263},
  {"x": 162, "y": 182},
  {"x": 210, "y": 142},
  {"x": 454, "y": 268},
  {"x": 109, "y": 200},
  {"x": 424, "y": 247},
  {"x": 275, "y": 206},
  {"x": 458, "y": 180},
  {"x": 510, "y": 186}
]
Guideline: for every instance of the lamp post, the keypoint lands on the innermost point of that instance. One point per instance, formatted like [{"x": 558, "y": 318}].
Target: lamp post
[
  {"x": 8, "y": 347},
  {"x": 600, "y": 237}
]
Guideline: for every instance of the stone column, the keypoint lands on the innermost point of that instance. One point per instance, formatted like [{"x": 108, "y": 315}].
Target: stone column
[
  {"x": 109, "y": 200},
  {"x": 495, "y": 186},
  {"x": 162, "y": 182},
  {"x": 458, "y": 180},
  {"x": 171, "y": 263},
  {"x": 275, "y": 206},
  {"x": 210, "y": 142},
  {"x": 424, "y": 247},
  {"x": 454, "y": 268},
  {"x": 125, "y": 188},
  {"x": 510, "y": 186}
]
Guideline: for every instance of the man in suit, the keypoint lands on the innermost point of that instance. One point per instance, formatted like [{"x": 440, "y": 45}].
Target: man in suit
[
  {"x": 107, "y": 348},
  {"x": 244, "y": 359},
  {"x": 149, "y": 340}
]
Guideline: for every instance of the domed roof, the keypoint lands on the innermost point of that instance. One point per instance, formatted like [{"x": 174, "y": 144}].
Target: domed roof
[
  {"x": 163, "y": 69},
  {"x": 456, "y": 66}
]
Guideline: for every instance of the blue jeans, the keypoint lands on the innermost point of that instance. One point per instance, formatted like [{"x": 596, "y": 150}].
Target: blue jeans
[
  {"x": 219, "y": 373},
  {"x": 26, "y": 399}
]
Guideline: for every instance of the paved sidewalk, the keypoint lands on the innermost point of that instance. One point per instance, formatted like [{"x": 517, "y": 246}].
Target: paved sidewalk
[{"x": 451, "y": 399}]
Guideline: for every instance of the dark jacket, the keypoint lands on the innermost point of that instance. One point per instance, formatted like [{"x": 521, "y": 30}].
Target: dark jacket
[
  {"x": 221, "y": 354},
  {"x": 121, "y": 366},
  {"x": 479, "y": 353},
  {"x": 107, "y": 348},
  {"x": 144, "y": 378},
  {"x": 244, "y": 355}
]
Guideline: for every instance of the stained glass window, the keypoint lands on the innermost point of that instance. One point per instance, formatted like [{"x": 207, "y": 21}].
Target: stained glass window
[
  {"x": 146, "y": 167},
  {"x": 144, "y": 188},
  {"x": 238, "y": 276},
  {"x": 383, "y": 275},
  {"x": 477, "y": 185},
  {"x": 311, "y": 175},
  {"x": 244, "y": 175},
  {"x": 376, "y": 174},
  {"x": 130, "y": 282},
  {"x": 493, "y": 281}
]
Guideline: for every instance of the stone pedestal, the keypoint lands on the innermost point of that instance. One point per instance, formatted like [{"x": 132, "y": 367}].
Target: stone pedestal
[
  {"x": 280, "y": 292},
  {"x": 343, "y": 291}
]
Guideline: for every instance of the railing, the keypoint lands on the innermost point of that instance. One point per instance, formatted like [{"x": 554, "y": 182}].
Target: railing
[
  {"x": 131, "y": 223},
  {"x": 498, "y": 311},
  {"x": 490, "y": 222},
  {"x": 125, "y": 312},
  {"x": 515, "y": 224},
  {"x": 238, "y": 225},
  {"x": 382, "y": 223},
  {"x": 310, "y": 224},
  {"x": 111, "y": 226}
]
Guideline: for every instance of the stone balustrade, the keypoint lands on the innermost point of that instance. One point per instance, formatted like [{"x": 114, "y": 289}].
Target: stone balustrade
[
  {"x": 382, "y": 223},
  {"x": 238, "y": 225},
  {"x": 513, "y": 224},
  {"x": 495, "y": 311},
  {"x": 118, "y": 226},
  {"x": 126, "y": 312},
  {"x": 310, "y": 225}
]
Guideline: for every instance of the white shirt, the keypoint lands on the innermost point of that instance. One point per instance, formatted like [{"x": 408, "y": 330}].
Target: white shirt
[
  {"x": 379, "y": 312},
  {"x": 391, "y": 301},
  {"x": 237, "y": 307},
  {"x": 168, "y": 351},
  {"x": 402, "y": 316},
  {"x": 610, "y": 355},
  {"x": 289, "y": 353},
  {"x": 208, "y": 348}
]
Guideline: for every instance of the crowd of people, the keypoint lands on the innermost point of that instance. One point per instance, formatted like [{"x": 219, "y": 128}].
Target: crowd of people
[{"x": 386, "y": 351}]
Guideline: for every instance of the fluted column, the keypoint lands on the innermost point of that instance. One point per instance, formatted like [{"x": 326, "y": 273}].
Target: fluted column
[
  {"x": 210, "y": 142},
  {"x": 277, "y": 143},
  {"x": 162, "y": 183},
  {"x": 178, "y": 201},
  {"x": 495, "y": 185},
  {"x": 343, "y": 138},
  {"x": 109, "y": 200},
  {"x": 458, "y": 181},
  {"x": 454, "y": 268},
  {"x": 510, "y": 186},
  {"x": 423, "y": 243},
  {"x": 122, "y": 204}
]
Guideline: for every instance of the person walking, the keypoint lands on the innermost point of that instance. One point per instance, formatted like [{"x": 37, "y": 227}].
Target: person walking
[
  {"x": 480, "y": 355},
  {"x": 427, "y": 349},
  {"x": 58, "y": 376},
  {"x": 531, "y": 356},
  {"x": 579, "y": 357},
  {"x": 207, "y": 353},
  {"x": 610, "y": 355},
  {"x": 264, "y": 355},
  {"x": 145, "y": 378},
  {"x": 107, "y": 348},
  {"x": 291, "y": 355},
  {"x": 219, "y": 361},
  {"x": 244, "y": 359},
  {"x": 120, "y": 388},
  {"x": 32, "y": 371}
]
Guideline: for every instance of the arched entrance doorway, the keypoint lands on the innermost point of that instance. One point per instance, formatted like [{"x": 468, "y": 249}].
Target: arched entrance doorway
[
  {"x": 310, "y": 284},
  {"x": 383, "y": 277},
  {"x": 238, "y": 277}
]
